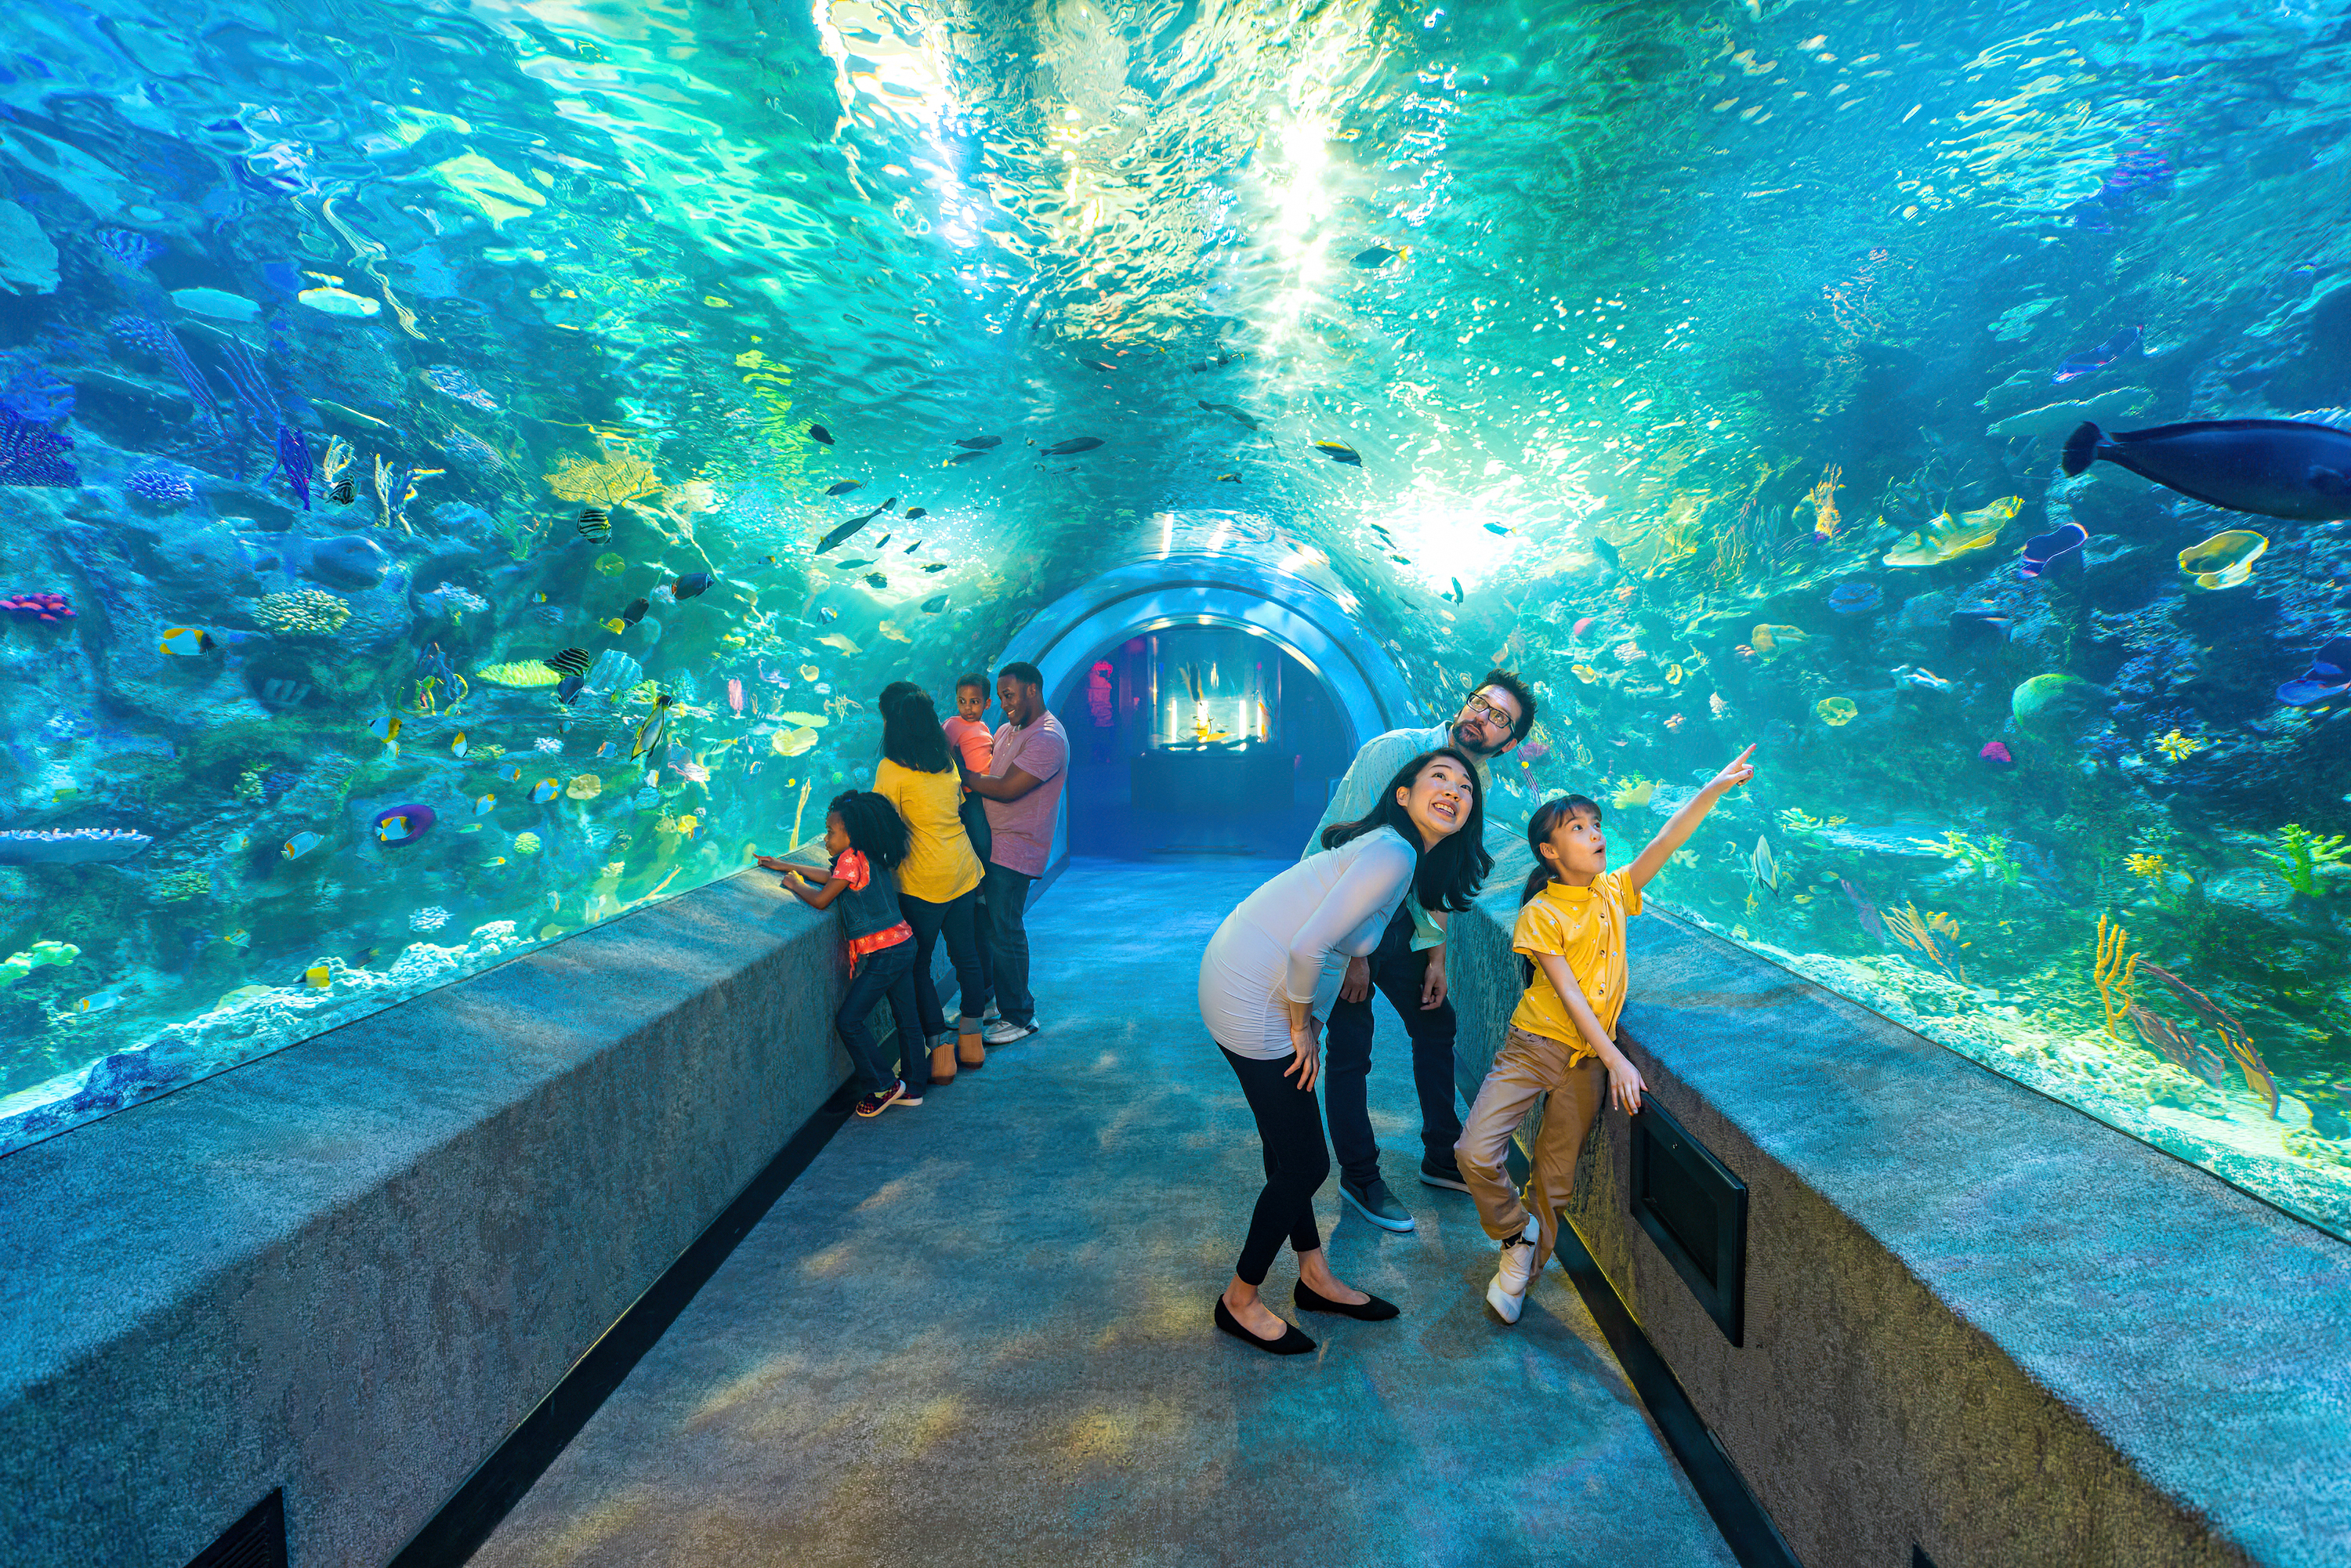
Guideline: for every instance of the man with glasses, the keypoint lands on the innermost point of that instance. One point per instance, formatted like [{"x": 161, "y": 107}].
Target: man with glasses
[{"x": 1408, "y": 967}]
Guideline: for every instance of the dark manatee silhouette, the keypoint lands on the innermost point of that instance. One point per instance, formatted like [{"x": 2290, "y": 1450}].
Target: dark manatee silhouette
[{"x": 2270, "y": 467}]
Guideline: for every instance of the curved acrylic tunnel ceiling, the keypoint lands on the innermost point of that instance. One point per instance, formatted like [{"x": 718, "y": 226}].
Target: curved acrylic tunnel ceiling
[{"x": 1309, "y": 623}]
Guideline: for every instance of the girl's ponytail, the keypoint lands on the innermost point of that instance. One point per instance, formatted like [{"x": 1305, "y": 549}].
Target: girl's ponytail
[{"x": 1540, "y": 827}]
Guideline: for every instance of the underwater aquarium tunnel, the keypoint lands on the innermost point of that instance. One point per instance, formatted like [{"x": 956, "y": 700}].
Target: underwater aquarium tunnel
[{"x": 468, "y": 474}]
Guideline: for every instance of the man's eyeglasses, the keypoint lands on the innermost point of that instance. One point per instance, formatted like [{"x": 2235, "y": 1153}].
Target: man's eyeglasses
[{"x": 1486, "y": 713}]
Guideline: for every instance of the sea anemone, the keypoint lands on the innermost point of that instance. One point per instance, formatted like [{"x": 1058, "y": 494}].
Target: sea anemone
[
  {"x": 525, "y": 843},
  {"x": 586, "y": 787}
]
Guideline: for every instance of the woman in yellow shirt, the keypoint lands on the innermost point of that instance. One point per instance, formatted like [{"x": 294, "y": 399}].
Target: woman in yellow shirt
[{"x": 938, "y": 881}]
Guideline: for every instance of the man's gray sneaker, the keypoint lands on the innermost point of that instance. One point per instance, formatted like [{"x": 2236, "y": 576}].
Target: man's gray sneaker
[
  {"x": 1004, "y": 1031},
  {"x": 1375, "y": 1203},
  {"x": 1446, "y": 1175}
]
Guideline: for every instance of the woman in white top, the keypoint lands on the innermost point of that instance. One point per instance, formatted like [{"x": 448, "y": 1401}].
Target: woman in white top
[{"x": 1268, "y": 980}]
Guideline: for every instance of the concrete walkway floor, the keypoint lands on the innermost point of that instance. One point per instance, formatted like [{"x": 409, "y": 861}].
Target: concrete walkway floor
[{"x": 977, "y": 1332}]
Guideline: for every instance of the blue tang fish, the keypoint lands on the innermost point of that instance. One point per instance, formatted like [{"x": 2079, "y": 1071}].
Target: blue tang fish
[{"x": 2270, "y": 467}]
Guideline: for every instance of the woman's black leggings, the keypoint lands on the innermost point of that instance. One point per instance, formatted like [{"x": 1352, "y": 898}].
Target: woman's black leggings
[
  {"x": 953, "y": 919},
  {"x": 1297, "y": 1163}
]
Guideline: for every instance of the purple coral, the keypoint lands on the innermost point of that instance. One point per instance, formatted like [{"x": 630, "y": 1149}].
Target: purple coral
[
  {"x": 162, "y": 487},
  {"x": 33, "y": 455}
]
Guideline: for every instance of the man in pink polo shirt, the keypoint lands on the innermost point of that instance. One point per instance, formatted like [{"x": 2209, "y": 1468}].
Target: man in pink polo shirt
[{"x": 1022, "y": 788}]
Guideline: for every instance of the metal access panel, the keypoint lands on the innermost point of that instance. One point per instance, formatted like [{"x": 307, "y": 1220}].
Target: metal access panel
[
  {"x": 1695, "y": 1209},
  {"x": 256, "y": 1541}
]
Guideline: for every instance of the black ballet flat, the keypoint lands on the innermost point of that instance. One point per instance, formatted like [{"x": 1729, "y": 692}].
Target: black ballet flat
[
  {"x": 1292, "y": 1341},
  {"x": 1374, "y": 1310}
]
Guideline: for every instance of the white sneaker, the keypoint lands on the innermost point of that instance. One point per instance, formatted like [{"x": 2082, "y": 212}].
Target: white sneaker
[
  {"x": 1508, "y": 1294},
  {"x": 1004, "y": 1031}
]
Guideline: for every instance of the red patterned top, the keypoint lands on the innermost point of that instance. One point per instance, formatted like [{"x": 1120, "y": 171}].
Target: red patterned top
[{"x": 850, "y": 867}]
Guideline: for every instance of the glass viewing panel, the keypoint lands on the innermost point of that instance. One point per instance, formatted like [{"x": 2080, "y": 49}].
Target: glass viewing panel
[{"x": 467, "y": 471}]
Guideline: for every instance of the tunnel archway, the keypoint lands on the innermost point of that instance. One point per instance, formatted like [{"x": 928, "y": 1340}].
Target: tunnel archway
[{"x": 1318, "y": 657}]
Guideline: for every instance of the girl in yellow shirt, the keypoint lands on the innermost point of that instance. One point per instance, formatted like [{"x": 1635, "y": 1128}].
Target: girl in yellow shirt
[
  {"x": 938, "y": 881},
  {"x": 1563, "y": 1039}
]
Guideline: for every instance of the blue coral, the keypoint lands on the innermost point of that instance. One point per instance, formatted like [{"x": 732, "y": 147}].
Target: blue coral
[
  {"x": 31, "y": 392},
  {"x": 33, "y": 454},
  {"x": 163, "y": 486}
]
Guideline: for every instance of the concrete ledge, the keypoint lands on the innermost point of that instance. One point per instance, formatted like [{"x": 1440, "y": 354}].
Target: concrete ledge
[
  {"x": 349, "y": 1269},
  {"x": 1979, "y": 1322}
]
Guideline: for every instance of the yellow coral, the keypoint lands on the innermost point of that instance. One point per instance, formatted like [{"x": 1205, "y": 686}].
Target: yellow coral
[
  {"x": 604, "y": 484},
  {"x": 2116, "y": 978},
  {"x": 302, "y": 613},
  {"x": 2148, "y": 866},
  {"x": 2178, "y": 747}
]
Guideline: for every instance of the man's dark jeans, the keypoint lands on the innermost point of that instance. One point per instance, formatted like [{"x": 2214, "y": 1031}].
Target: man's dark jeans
[
  {"x": 1008, "y": 943},
  {"x": 1397, "y": 973},
  {"x": 889, "y": 972}
]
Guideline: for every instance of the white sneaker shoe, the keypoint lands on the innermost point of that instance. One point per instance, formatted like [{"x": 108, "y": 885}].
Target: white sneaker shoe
[
  {"x": 1508, "y": 1294},
  {"x": 1004, "y": 1031}
]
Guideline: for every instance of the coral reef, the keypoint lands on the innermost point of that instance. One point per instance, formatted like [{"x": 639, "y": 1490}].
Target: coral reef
[{"x": 302, "y": 613}]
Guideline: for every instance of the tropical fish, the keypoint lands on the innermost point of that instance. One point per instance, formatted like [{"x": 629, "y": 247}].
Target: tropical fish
[
  {"x": 912, "y": 547},
  {"x": 343, "y": 493},
  {"x": 2100, "y": 358},
  {"x": 854, "y": 563},
  {"x": 1098, "y": 364},
  {"x": 2270, "y": 467},
  {"x": 2043, "y": 548},
  {"x": 1228, "y": 479},
  {"x": 936, "y": 566},
  {"x": 693, "y": 585},
  {"x": 827, "y": 613},
  {"x": 1854, "y": 598},
  {"x": 98, "y": 1002},
  {"x": 1456, "y": 596},
  {"x": 511, "y": 772},
  {"x": 1072, "y": 446},
  {"x": 1238, "y": 416},
  {"x": 300, "y": 844},
  {"x": 568, "y": 690},
  {"x": 2329, "y": 676},
  {"x": 980, "y": 442},
  {"x": 402, "y": 825},
  {"x": 483, "y": 804},
  {"x": 1377, "y": 256},
  {"x": 1767, "y": 870},
  {"x": 571, "y": 662},
  {"x": 1925, "y": 680},
  {"x": 844, "y": 487},
  {"x": 2224, "y": 560},
  {"x": 913, "y": 512},
  {"x": 186, "y": 642},
  {"x": 967, "y": 457},
  {"x": 1496, "y": 528},
  {"x": 650, "y": 733},
  {"x": 835, "y": 640},
  {"x": 884, "y": 540},
  {"x": 318, "y": 975},
  {"x": 595, "y": 525},
  {"x": 543, "y": 791},
  {"x": 1948, "y": 537},
  {"x": 876, "y": 581},
  {"x": 1340, "y": 452},
  {"x": 386, "y": 729},
  {"x": 845, "y": 530},
  {"x": 820, "y": 434},
  {"x": 933, "y": 606},
  {"x": 635, "y": 611}
]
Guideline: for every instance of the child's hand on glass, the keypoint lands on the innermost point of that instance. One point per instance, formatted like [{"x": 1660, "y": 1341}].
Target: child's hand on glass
[
  {"x": 771, "y": 862},
  {"x": 1737, "y": 772}
]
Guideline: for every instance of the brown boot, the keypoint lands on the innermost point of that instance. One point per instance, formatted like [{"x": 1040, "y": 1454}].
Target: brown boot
[
  {"x": 943, "y": 1063},
  {"x": 970, "y": 1052}
]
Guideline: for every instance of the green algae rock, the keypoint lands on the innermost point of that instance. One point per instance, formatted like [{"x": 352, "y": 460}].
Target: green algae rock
[
  {"x": 2047, "y": 700},
  {"x": 17, "y": 966}
]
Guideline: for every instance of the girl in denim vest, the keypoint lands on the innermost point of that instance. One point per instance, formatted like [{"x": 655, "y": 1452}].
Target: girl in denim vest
[{"x": 867, "y": 839}]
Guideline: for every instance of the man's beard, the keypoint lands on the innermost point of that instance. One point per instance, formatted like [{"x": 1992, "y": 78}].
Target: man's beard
[{"x": 1475, "y": 747}]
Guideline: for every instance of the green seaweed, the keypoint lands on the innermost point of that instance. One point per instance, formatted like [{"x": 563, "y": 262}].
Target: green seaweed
[{"x": 1988, "y": 859}]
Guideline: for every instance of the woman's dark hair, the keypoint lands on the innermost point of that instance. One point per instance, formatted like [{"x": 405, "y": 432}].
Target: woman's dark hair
[
  {"x": 1448, "y": 876},
  {"x": 874, "y": 828},
  {"x": 910, "y": 735},
  {"x": 1540, "y": 827}
]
